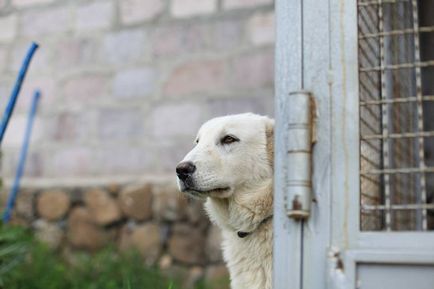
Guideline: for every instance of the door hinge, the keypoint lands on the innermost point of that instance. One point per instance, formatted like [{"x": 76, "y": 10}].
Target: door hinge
[{"x": 301, "y": 135}]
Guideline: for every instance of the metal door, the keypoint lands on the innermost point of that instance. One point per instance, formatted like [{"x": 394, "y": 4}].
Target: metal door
[{"x": 369, "y": 67}]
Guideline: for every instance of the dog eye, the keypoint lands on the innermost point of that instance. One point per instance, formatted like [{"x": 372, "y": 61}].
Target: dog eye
[{"x": 228, "y": 139}]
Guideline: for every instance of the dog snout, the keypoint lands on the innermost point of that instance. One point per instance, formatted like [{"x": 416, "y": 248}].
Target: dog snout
[{"x": 184, "y": 170}]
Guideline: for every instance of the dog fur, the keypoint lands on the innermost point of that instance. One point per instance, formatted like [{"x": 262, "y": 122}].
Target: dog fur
[{"x": 235, "y": 175}]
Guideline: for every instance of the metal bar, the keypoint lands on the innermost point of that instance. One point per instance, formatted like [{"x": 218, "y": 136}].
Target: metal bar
[
  {"x": 376, "y": 2},
  {"x": 20, "y": 170},
  {"x": 399, "y": 135},
  {"x": 397, "y": 100},
  {"x": 384, "y": 120},
  {"x": 399, "y": 207},
  {"x": 397, "y": 32},
  {"x": 399, "y": 66},
  {"x": 16, "y": 90},
  {"x": 419, "y": 113},
  {"x": 399, "y": 171}
]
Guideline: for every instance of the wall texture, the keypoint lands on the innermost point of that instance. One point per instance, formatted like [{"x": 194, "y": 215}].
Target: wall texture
[{"x": 126, "y": 84}]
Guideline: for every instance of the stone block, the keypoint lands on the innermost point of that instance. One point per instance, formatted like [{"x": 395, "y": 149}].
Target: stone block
[
  {"x": 24, "y": 204},
  {"x": 144, "y": 238},
  {"x": 94, "y": 16},
  {"x": 243, "y": 4},
  {"x": 70, "y": 161},
  {"x": 136, "y": 202},
  {"x": 120, "y": 124},
  {"x": 180, "y": 39},
  {"x": 126, "y": 46},
  {"x": 29, "y": 3},
  {"x": 168, "y": 204},
  {"x": 134, "y": 83},
  {"x": 213, "y": 245},
  {"x": 85, "y": 89},
  {"x": 198, "y": 77},
  {"x": 253, "y": 70},
  {"x": 136, "y": 11},
  {"x": 188, "y": 8},
  {"x": 82, "y": 233},
  {"x": 75, "y": 52},
  {"x": 50, "y": 20},
  {"x": 53, "y": 205},
  {"x": 217, "y": 277},
  {"x": 261, "y": 28},
  {"x": 8, "y": 29},
  {"x": 186, "y": 244},
  {"x": 102, "y": 207},
  {"x": 165, "y": 119},
  {"x": 48, "y": 233}
]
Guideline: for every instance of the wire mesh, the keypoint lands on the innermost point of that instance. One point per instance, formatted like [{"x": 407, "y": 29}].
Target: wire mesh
[{"x": 396, "y": 92}]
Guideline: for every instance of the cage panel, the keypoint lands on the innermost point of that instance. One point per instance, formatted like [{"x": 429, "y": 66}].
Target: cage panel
[{"x": 396, "y": 103}]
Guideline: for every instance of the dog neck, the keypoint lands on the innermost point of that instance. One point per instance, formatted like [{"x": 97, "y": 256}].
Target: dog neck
[{"x": 245, "y": 210}]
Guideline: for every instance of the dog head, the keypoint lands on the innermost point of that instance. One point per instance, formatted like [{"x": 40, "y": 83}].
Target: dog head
[{"x": 230, "y": 153}]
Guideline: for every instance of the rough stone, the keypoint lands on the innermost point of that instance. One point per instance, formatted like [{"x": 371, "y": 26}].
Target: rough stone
[
  {"x": 186, "y": 244},
  {"x": 261, "y": 28},
  {"x": 49, "y": 233},
  {"x": 83, "y": 233},
  {"x": 103, "y": 208},
  {"x": 165, "y": 262},
  {"x": 188, "y": 8},
  {"x": 239, "y": 4},
  {"x": 135, "y": 11},
  {"x": 136, "y": 202},
  {"x": 168, "y": 203},
  {"x": 145, "y": 238},
  {"x": 217, "y": 277},
  {"x": 213, "y": 245},
  {"x": 94, "y": 16},
  {"x": 195, "y": 275},
  {"x": 53, "y": 205},
  {"x": 24, "y": 204}
]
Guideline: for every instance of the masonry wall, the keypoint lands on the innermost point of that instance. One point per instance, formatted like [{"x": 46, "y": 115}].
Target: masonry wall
[
  {"x": 168, "y": 230},
  {"x": 126, "y": 84}
]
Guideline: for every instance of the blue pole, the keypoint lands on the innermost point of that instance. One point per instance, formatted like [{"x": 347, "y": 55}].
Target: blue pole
[
  {"x": 15, "y": 92},
  {"x": 22, "y": 160}
]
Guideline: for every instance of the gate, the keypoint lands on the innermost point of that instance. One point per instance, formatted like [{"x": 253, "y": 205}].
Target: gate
[{"x": 354, "y": 179}]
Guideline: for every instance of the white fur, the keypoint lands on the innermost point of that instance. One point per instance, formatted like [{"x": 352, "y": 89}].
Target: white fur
[{"x": 237, "y": 181}]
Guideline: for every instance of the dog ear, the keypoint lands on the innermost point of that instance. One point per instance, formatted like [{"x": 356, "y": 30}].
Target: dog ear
[{"x": 269, "y": 134}]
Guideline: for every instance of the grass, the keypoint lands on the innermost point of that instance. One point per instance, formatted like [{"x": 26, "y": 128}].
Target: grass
[{"x": 28, "y": 264}]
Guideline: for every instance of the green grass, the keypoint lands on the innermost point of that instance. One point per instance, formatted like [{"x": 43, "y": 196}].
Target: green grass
[{"x": 27, "y": 264}]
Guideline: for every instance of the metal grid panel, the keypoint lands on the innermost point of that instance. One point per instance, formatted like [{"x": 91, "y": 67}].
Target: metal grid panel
[{"x": 395, "y": 176}]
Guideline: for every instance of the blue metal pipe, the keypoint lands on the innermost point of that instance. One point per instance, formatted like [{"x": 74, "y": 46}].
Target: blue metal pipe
[
  {"x": 15, "y": 92},
  {"x": 23, "y": 154}
]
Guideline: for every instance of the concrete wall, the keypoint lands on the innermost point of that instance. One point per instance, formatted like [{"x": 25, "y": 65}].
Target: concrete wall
[{"x": 127, "y": 83}]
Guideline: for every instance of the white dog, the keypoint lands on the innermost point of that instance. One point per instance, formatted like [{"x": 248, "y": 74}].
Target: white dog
[{"x": 232, "y": 166}]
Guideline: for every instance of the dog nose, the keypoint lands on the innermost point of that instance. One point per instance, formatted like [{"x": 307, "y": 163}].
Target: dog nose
[{"x": 184, "y": 170}]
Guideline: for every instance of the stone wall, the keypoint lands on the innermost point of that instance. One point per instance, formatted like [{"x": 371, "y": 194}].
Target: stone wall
[
  {"x": 126, "y": 83},
  {"x": 167, "y": 228}
]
